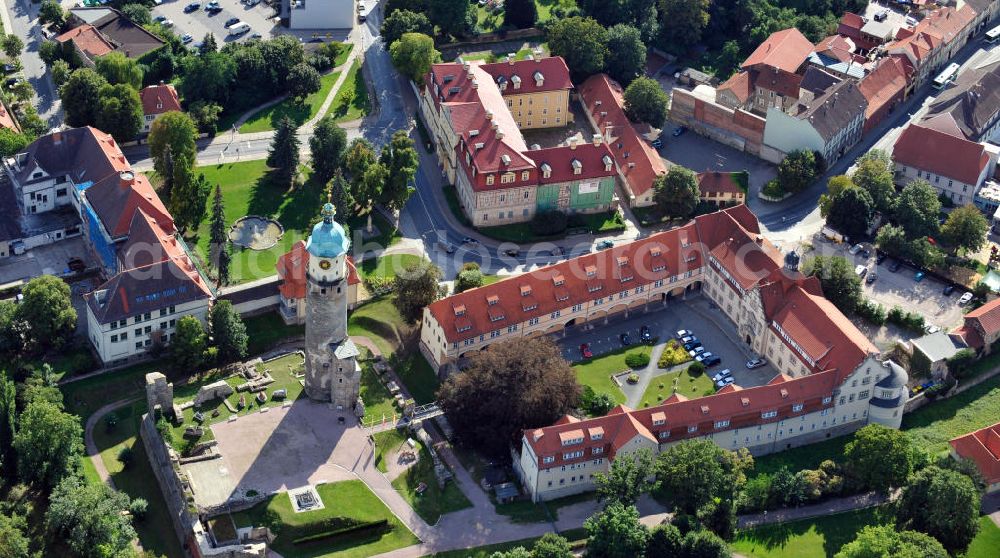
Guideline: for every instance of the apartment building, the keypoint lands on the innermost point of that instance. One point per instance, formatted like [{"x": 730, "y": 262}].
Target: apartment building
[
  {"x": 936, "y": 151},
  {"x": 884, "y": 88},
  {"x": 536, "y": 90},
  {"x": 932, "y": 42},
  {"x": 498, "y": 179},
  {"x": 770, "y": 76},
  {"x": 830, "y": 379}
]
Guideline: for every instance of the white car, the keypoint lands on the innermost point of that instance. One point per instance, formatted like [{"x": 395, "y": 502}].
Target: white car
[
  {"x": 855, "y": 249},
  {"x": 860, "y": 270},
  {"x": 168, "y": 23},
  {"x": 755, "y": 363},
  {"x": 966, "y": 298},
  {"x": 696, "y": 351}
]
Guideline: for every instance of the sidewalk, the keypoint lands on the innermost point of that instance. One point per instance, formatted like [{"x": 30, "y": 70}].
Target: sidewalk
[{"x": 829, "y": 507}]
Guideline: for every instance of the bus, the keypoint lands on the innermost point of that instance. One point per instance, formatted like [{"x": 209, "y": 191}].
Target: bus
[
  {"x": 993, "y": 35},
  {"x": 945, "y": 77}
]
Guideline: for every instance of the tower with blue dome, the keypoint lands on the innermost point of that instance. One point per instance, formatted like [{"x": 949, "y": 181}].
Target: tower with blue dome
[{"x": 332, "y": 371}]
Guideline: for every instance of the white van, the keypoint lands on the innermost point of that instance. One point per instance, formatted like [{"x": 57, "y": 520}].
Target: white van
[{"x": 239, "y": 29}]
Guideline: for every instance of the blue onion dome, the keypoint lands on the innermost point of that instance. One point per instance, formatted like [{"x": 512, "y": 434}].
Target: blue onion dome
[{"x": 328, "y": 239}]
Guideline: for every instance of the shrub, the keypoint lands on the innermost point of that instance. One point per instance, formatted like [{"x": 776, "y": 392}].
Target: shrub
[
  {"x": 548, "y": 223},
  {"x": 163, "y": 427},
  {"x": 871, "y": 312},
  {"x": 908, "y": 320},
  {"x": 938, "y": 390},
  {"x": 673, "y": 354},
  {"x": 125, "y": 456},
  {"x": 696, "y": 369},
  {"x": 633, "y": 378},
  {"x": 637, "y": 360},
  {"x": 369, "y": 527},
  {"x": 138, "y": 508},
  {"x": 595, "y": 405},
  {"x": 773, "y": 189}
]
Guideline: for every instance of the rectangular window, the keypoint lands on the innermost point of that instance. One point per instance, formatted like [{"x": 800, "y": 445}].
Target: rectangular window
[
  {"x": 597, "y": 451},
  {"x": 863, "y": 395},
  {"x": 721, "y": 423},
  {"x": 797, "y": 407},
  {"x": 548, "y": 459},
  {"x": 768, "y": 414},
  {"x": 114, "y": 338}
]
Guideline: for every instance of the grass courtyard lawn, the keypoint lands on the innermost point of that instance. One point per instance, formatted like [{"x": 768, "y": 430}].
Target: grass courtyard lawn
[
  {"x": 267, "y": 330},
  {"x": 352, "y": 100},
  {"x": 155, "y": 531},
  {"x": 386, "y": 444},
  {"x": 83, "y": 397},
  {"x": 342, "y": 54},
  {"x": 350, "y": 502},
  {"x": 388, "y": 267},
  {"x": 597, "y": 371},
  {"x": 268, "y": 118},
  {"x": 378, "y": 400},
  {"x": 662, "y": 386},
  {"x": 819, "y": 537},
  {"x": 987, "y": 541},
  {"x": 434, "y": 502}
]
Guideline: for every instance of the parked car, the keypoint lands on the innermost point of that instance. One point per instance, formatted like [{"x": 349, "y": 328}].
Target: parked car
[
  {"x": 168, "y": 23},
  {"x": 212, "y": 5},
  {"x": 871, "y": 277},
  {"x": 159, "y": 18},
  {"x": 880, "y": 257},
  {"x": 512, "y": 252},
  {"x": 682, "y": 333},
  {"x": 700, "y": 357},
  {"x": 193, "y": 6},
  {"x": 929, "y": 329},
  {"x": 866, "y": 253},
  {"x": 214, "y": 10},
  {"x": 605, "y": 244},
  {"x": 860, "y": 270},
  {"x": 679, "y": 130},
  {"x": 186, "y": 38},
  {"x": 657, "y": 143},
  {"x": 9, "y": 68},
  {"x": 966, "y": 298},
  {"x": 881, "y": 15},
  {"x": 688, "y": 338},
  {"x": 855, "y": 249},
  {"x": 724, "y": 374},
  {"x": 692, "y": 345},
  {"x": 625, "y": 338},
  {"x": 724, "y": 382},
  {"x": 696, "y": 351},
  {"x": 710, "y": 361},
  {"x": 644, "y": 334},
  {"x": 585, "y": 351},
  {"x": 469, "y": 240},
  {"x": 948, "y": 290},
  {"x": 232, "y": 21},
  {"x": 755, "y": 363},
  {"x": 919, "y": 276},
  {"x": 894, "y": 266}
]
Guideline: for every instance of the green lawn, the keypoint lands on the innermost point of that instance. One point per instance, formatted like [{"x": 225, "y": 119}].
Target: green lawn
[
  {"x": 819, "y": 537},
  {"x": 155, "y": 531},
  {"x": 987, "y": 541},
  {"x": 662, "y": 386},
  {"x": 352, "y": 100},
  {"x": 378, "y": 400},
  {"x": 386, "y": 443},
  {"x": 299, "y": 112},
  {"x": 267, "y": 330},
  {"x": 83, "y": 397},
  {"x": 345, "y": 502},
  {"x": 434, "y": 502},
  {"x": 343, "y": 54},
  {"x": 576, "y": 537},
  {"x": 388, "y": 267},
  {"x": 597, "y": 371}
]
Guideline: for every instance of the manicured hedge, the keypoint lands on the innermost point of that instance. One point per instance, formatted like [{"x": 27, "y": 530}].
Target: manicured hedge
[{"x": 359, "y": 528}]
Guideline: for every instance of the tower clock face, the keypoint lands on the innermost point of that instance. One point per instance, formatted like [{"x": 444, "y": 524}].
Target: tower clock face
[{"x": 324, "y": 264}]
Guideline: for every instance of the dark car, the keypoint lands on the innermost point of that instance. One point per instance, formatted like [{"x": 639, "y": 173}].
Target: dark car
[
  {"x": 512, "y": 252},
  {"x": 191, "y": 7},
  {"x": 625, "y": 338},
  {"x": 657, "y": 143},
  {"x": 711, "y": 361},
  {"x": 894, "y": 266},
  {"x": 679, "y": 130},
  {"x": 9, "y": 68},
  {"x": 605, "y": 244},
  {"x": 645, "y": 334},
  {"x": 212, "y": 10},
  {"x": 880, "y": 257},
  {"x": 871, "y": 278},
  {"x": 692, "y": 345},
  {"x": 11, "y": 82},
  {"x": 232, "y": 21},
  {"x": 948, "y": 290}
]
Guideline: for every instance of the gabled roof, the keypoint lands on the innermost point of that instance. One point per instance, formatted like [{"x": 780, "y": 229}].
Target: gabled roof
[
  {"x": 883, "y": 84},
  {"x": 786, "y": 50},
  {"x": 834, "y": 111},
  {"x": 779, "y": 81},
  {"x": 149, "y": 241},
  {"x": 125, "y": 35},
  {"x": 147, "y": 288},
  {"x": 947, "y": 155},
  {"x": 158, "y": 99},
  {"x": 292, "y": 266},
  {"x": 86, "y": 154},
  {"x": 973, "y": 101},
  {"x": 560, "y": 160},
  {"x": 88, "y": 39},
  {"x": 639, "y": 163},
  {"x": 716, "y": 182},
  {"x": 987, "y": 316},
  {"x": 552, "y": 69},
  {"x": 740, "y": 85},
  {"x": 983, "y": 448},
  {"x": 116, "y": 198},
  {"x": 935, "y": 346}
]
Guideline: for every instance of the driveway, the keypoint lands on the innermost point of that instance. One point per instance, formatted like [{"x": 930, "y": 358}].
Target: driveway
[{"x": 700, "y": 154}]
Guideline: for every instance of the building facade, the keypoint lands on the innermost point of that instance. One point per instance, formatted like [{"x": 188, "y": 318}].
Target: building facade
[
  {"x": 536, "y": 90},
  {"x": 157, "y": 100},
  {"x": 291, "y": 267}
]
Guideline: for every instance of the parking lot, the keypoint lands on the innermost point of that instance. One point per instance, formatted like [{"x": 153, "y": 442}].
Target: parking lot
[
  {"x": 709, "y": 325},
  {"x": 701, "y": 154},
  {"x": 199, "y": 23}
]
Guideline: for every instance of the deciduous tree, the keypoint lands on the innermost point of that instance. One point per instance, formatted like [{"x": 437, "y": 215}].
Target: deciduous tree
[
  {"x": 51, "y": 13},
  {"x": 626, "y": 58},
  {"x": 360, "y": 155},
  {"x": 797, "y": 170},
  {"x": 81, "y": 97},
  {"x": 303, "y": 80},
  {"x": 413, "y": 55},
  {"x": 173, "y": 132},
  {"x": 8, "y": 426},
  {"x": 138, "y": 13},
  {"x": 12, "y": 142},
  {"x": 416, "y": 287},
  {"x": 646, "y": 101},
  {"x": 834, "y": 186},
  {"x": 698, "y": 472},
  {"x": 942, "y": 503},
  {"x": 677, "y": 192},
  {"x": 683, "y": 23},
  {"x": 188, "y": 346},
  {"x": 965, "y": 228},
  {"x": 47, "y": 310},
  {"x": 552, "y": 545},
  {"x": 879, "y": 458},
  {"x": 12, "y": 46},
  {"x": 404, "y": 21},
  {"x": 665, "y": 540},
  {"x": 229, "y": 333},
  {"x": 511, "y": 386},
  {"x": 401, "y": 160},
  {"x": 117, "y": 68},
  {"x": 13, "y": 541},
  {"x": 88, "y": 518},
  {"x": 582, "y": 42},
  {"x": 327, "y": 145},
  {"x": 616, "y": 533},
  {"x": 841, "y": 285},
  {"x": 189, "y": 196},
  {"x": 520, "y": 14},
  {"x": 874, "y": 175},
  {"x": 206, "y": 116},
  {"x": 851, "y": 212},
  {"x": 627, "y": 478},
  {"x": 209, "y": 77},
  {"x": 917, "y": 209},
  {"x": 120, "y": 112},
  {"x": 48, "y": 443},
  {"x": 884, "y": 541},
  {"x": 453, "y": 18}
]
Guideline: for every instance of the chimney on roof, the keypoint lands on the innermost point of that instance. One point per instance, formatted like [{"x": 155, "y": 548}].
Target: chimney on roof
[
  {"x": 126, "y": 178},
  {"x": 596, "y": 138},
  {"x": 510, "y": 59},
  {"x": 162, "y": 82},
  {"x": 489, "y": 115},
  {"x": 572, "y": 143},
  {"x": 499, "y": 134},
  {"x": 56, "y": 137},
  {"x": 465, "y": 65},
  {"x": 475, "y": 84}
]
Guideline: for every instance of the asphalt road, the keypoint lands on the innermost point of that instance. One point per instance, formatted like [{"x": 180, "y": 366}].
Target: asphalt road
[{"x": 22, "y": 21}]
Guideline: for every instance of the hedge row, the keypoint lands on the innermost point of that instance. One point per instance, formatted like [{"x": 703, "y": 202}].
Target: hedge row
[{"x": 360, "y": 528}]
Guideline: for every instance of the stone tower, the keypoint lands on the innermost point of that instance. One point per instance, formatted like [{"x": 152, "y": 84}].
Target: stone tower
[{"x": 332, "y": 371}]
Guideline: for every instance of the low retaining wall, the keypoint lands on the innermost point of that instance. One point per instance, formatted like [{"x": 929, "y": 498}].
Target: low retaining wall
[{"x": 159, "y": 461}]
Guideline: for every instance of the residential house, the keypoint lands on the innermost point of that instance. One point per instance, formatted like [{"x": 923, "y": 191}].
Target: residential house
[
  {"x": 973, "y": 102},
  {"x": 981, "y": 327},
  {"x": 864, "y": 36},
  {"x": 929, "y": 45},
  {"x": 836, "y": 54},
  {"x": 828, "y": 119},
  {"x": 829, "y": 373},
  {"x": 935, "y": 151},
  {"x": 721, "y": 188},
  {"x": 536, "y": 90},
  {"x": 95, "y": 32},
  {"x": 292, "y": 267},
  {"x": 930, "y": 355},
  {"x": 770, "y": 76},
  {"x": 982, "y": 447},
  {"x": 883, "y": 89},
  {"x": 157, "y": 100},
  {"x": 639, "y": 165}
]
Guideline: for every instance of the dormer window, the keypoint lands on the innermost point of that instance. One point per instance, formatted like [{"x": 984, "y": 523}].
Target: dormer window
[
  {"x": 608, "y": 161},
  {"x": 659, "y": 419},
  {"x": 591, "y": 270},
  {"x": 492, "y": 300},
  {"x": 516, "y": 80},
  {"x": 539, "y": 79},
  {"x": 622, "y": 261},
  {"x": 655, "y": 252},
  {"x": 490, "y": 179},
  {"x": 797, "y": 407},
  {"x": 505, "y": 159},
  {"x": 577, "y": 166},
  {"x": 460, "y": 310},
  {"x": 784, "y": 393},
  {"x": 745, "y": 401},
  {"x": 546, "y": 170},
  {"x": 768, "y": 414},
  {"x": 705, "y": 409},
  {"x": 525, "y": 290},
  {"x": 558, "y": 280}
]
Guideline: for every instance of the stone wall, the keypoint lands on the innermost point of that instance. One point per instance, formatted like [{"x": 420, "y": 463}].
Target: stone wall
[
  {"x": 181, "y": 518},
  {"x": 735, "y": 128}
]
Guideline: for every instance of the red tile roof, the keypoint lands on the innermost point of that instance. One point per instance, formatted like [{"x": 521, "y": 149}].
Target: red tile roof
[
  {"x": 740, "y": 84},
  {"x": 715, "y": 182},
  {"x": 931, "y": 150},
  {"x": 988, "y": 317},
  {"x": 883, "y": 84},
  {"x": 88, "y": 39},
  {"x": 552, "y": 70},
  {"x": 779, "y": 81},
  {"x": 292, "y": 265},
  {"x": 983, "y": 448},
  {"x": 149, "y": 241},
  {"x": 786, "y": 50},
  {"x": 116, "y": 198},
  {"x": 836, "y": 46},
  {"x": 639, "y": 163},
  {"x": 595, "y": 162},
  {"x": 158, "y": 99},
  {"x": 7, "y": 120}
]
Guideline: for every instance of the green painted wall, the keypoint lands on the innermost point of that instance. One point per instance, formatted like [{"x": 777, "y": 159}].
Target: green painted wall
[{"x": 547, "y": 196}]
